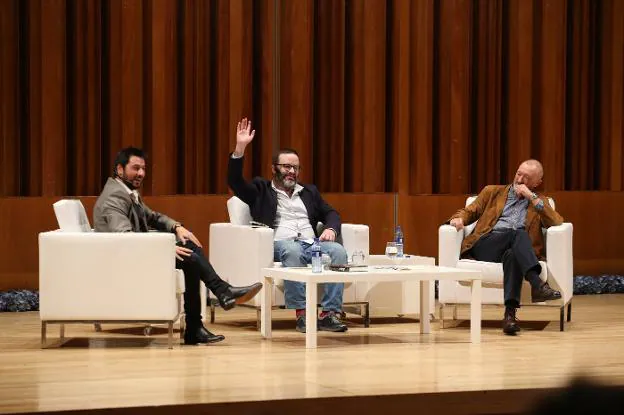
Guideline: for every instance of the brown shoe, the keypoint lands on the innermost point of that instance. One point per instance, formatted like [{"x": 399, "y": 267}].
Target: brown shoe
[
  {"x": 510, "y": 322},
  {"x": 544, "y": 293}
]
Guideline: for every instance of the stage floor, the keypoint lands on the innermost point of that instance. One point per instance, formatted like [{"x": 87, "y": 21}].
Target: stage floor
[{"x": 119, "y": 367}]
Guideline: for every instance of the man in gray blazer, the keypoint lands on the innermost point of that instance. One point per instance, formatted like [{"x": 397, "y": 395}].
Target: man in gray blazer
[{"x": 120, "y": 208}]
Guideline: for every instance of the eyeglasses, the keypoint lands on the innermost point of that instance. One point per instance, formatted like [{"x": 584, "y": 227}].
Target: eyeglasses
[{"x": 289, "y": 167}]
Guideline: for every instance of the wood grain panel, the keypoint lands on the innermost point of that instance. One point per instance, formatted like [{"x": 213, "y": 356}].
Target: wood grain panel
[
  {"x": 422, "y": 92},
  {"x": 33, "y": 171},
  {"x": 552, "y": 88},
  {"x": 10, "y": 99},
  {"x": 266, "y": 83},
  {"x": 366, "y": 114},
  {"x": 329, "y": 96},
  {"x": 455, "y": 109},
  {"x": 126, "y": 74},
  {"x": 487, "y": 56},
  {"x": 579, "y": 114},
  {"x": 413, "y": 97},
  {"x": 161, "y": 93},
  {"x": 521, "y": 84},
  {"x": 296, "y": 51},
  {"x": 84, "y": 143}
]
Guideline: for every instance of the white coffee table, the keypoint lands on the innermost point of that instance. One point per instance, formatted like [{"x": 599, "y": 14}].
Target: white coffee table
[{"x": 423, "y": 273}]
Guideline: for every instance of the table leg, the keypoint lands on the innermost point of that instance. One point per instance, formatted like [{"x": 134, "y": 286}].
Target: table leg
[
  {"x": 266, "y": 307},
  {"x": 425, "y": 323},
  {"x": 311, "y": 318},
  {"x": 475, "y": 311}
]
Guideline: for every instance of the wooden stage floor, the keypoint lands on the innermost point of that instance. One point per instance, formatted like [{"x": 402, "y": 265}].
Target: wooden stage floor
[{"x": 120, "y": 368}]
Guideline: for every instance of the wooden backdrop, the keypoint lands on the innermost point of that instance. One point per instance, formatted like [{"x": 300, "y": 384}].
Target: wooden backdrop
[{"x": 409, "y": 96}]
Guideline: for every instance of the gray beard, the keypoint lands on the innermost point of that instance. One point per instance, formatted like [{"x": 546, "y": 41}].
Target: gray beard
[{"x": 279, "y": 178}]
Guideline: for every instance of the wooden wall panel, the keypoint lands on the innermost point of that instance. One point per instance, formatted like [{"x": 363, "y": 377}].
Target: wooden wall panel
[
  {"x": 455, "y": 109},
  {"x": 10, "y": 98},
  {"x": 597, "y": 238},
  {"x": 414, "y": 97}
]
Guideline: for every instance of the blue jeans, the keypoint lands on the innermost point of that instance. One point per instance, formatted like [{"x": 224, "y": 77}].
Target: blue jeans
[{"x": 297, "y": 254}]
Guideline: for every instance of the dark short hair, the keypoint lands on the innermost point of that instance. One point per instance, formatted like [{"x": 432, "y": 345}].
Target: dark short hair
[
  {"x": 123, "y": 157},
  {"x": 283, "y": 151}
]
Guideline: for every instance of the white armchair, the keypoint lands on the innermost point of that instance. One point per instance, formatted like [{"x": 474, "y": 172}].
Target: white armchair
[
  {"x": 557, "y": 269},
  {"x": 228, "y": 242},
  {"x": 88, "y": 277}
]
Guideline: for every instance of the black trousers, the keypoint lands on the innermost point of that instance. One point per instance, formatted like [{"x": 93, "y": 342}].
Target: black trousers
[
  {"x": 196, "y": 268},
  {"x": 514, "y": 249}
]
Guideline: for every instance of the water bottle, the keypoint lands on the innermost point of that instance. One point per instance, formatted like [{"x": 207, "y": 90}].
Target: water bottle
[
  {"x": 317, "y": 260},
  {"x": 398, "y": 239}
]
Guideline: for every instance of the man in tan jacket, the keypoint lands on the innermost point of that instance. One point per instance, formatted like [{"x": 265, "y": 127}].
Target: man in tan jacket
[{"x": 511, "y": 218}]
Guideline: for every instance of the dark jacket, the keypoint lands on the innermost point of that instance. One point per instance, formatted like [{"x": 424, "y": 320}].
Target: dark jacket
[{"x": 262, "y": 199}]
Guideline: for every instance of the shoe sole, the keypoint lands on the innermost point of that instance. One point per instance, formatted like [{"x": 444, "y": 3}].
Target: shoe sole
[
  {"x": 541, "y": 300},
  {"x": 249, "y": 295},
  {"x": 334, "y": 330},
  {"x": 201, "y": 343}
]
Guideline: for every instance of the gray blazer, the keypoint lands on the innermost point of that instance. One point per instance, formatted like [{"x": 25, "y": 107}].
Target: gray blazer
[{"x": 113, "y": 212}]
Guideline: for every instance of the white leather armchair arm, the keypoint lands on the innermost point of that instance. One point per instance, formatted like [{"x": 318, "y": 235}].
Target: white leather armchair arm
[
  {"x": 239, "y": 252},
  {"x": 107, "y": 276},
  {"x": 560, "y": 259},
  {"x": 449, "y": 245}
]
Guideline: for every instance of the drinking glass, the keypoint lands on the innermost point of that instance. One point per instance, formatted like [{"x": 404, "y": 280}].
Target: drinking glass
[{"x": 391, "y": 249}]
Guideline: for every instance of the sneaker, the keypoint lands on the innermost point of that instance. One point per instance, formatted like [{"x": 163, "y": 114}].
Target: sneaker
[
  {"x": 301, "y": 326},
  {"x": 331, "y": 322}
]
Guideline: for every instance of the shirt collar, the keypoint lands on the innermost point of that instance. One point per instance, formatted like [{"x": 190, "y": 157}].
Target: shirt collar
[{"x": 127, "y": 189}]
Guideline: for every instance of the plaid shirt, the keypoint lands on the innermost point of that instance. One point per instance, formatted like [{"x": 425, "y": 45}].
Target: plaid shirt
[{"x": 514, "y": 212}]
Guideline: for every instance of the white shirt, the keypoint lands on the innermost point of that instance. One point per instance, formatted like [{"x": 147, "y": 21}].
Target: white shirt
[
  {"x": 291, "y": 219},
  {"x": 133, "y": 193}
]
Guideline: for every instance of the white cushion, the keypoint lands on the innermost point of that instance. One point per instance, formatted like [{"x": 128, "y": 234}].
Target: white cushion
[
  {"x": 71, "y": 216},
  {"x": 238, "y": 211},
  {"x": 492, "y": 271}
]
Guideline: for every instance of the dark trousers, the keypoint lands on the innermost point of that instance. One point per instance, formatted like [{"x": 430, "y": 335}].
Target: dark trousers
[
  {"x": 514, "y": 249},
  {"x": 196, "y": 268}
]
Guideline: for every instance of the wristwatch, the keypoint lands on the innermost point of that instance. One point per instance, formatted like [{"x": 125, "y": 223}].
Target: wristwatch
[{"x": 534, "y": 196}]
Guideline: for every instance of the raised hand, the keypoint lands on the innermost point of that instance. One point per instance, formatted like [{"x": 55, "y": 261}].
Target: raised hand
[{"x": 244, "y": 133}]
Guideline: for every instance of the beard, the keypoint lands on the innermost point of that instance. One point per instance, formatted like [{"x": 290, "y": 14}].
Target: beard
[
  {"x": 129, "y": 183},
  {"x": 286, "y": 180}
]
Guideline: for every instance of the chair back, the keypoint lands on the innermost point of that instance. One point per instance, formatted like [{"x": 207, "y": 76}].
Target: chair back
[
  {"x": 238, "y": 211},
  {"x": 71, "y": 216}
]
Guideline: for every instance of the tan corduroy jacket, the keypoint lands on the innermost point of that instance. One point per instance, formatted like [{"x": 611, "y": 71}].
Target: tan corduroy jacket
[{"x": 488, "y": 207}]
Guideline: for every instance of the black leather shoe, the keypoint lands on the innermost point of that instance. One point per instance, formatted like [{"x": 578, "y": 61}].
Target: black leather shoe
[
  {"x": 201, "y": 335},
  {"x": 544, "y": 293},
  {"x": 238, "y": 295},
  {"x": 301, "y": 326},
  {"x": 510, "y": 322},
  {"x": 331, "y": 322}
]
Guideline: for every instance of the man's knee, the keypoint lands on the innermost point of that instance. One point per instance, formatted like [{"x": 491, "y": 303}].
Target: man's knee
[
  {"x": 290, "y": 253},
  {"x": 336, "y": 252}
]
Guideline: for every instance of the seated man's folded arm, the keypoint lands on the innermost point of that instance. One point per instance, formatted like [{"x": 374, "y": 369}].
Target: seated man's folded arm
[{"x": 549, "y": 216}]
